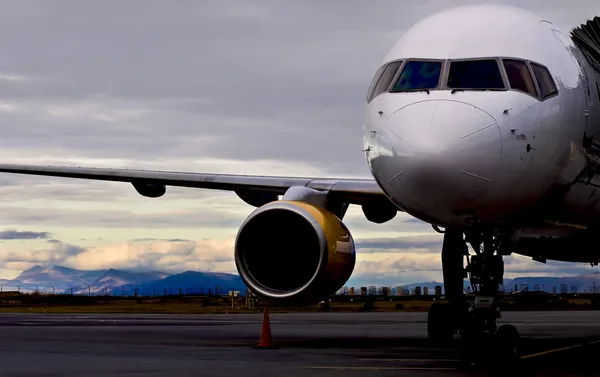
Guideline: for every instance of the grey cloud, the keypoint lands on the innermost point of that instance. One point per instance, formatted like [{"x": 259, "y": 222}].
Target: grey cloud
[
  {"x": 405, "y": 269},
  {"x": 525, "y": 265},
  {"x": 158, "y": 239},
  {"x": 173, "y": 103},
  {"x": 15, "y": 187},
  {"x": 201, "y": 79},
  {"x": 54, "y": 241},
  {"x": 68, "y": 249},
  {"x": 170, "y": 256},
  {"x": 206, "y": 214},
  {"x": 11, "y": 234},
  {"x": 35, "y": 188},
  {"x": 55, "y": 254},
  {"x": 399, "y": 244},
  {"x": 192, "y": 218},
  {"x": 396, "y": 271},
  {"x": 355, "y": 220},
  {"x": 239, "y": 80}
]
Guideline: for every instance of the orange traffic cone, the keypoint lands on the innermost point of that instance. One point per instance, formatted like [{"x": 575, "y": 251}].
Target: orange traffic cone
[{"x": 265, "y": 334}]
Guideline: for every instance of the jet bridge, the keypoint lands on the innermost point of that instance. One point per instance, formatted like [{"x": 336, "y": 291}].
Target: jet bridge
[{"x": 587, "y": 37}]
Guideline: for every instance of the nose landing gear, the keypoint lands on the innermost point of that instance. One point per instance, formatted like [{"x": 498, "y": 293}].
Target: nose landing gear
[{"x": 473, "y": 317}]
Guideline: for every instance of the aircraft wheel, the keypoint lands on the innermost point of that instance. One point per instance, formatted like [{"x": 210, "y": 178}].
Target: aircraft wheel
[
  {"x": 440, "y": 322},
  {"x": 475, "y": 344},
  {"x": 499, "y": 350},
  {"x": 507, "y": 344}
]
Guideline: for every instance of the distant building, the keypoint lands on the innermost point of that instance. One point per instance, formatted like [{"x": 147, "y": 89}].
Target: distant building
[{"x": 563, "y": 289}]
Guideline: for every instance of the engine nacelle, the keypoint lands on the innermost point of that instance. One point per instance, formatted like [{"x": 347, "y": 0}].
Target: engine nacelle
[{"x": 294, "y": 252}]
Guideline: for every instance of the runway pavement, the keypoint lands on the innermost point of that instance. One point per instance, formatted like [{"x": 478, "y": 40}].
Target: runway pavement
[{"x": 324, "y": 344}]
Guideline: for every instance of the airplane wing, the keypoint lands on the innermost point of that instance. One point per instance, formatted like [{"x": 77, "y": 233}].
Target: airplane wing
[{"x": 152, "y": 183}]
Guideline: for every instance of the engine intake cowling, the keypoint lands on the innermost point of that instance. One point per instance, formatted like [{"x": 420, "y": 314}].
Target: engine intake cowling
[{"x": 294, "y": 252}]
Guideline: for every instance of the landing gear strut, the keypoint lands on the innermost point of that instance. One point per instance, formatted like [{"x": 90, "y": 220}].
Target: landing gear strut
[
  {"x": 444, "y": 319},
  {"x": 473, "y": 319}
]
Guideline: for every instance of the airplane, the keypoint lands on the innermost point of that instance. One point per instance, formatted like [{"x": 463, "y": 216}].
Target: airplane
[{"x": 481, "y": 121}]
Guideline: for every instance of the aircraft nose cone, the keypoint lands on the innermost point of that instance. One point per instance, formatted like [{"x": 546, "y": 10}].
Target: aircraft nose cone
[{"x": 440, "y": 159}]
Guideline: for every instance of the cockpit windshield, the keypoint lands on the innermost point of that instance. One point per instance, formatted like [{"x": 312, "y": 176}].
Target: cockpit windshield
[
  {"x": 475, "y": 75},
  {"x": 418, "y": 75},
  {"x": 465, "y": 74}
]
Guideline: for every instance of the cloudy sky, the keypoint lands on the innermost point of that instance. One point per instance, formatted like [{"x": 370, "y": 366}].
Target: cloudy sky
[{"x": 253, "y": 87}]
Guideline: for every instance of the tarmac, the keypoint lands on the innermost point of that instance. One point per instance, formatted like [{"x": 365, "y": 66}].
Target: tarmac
[{"x": 315, "y": 344}]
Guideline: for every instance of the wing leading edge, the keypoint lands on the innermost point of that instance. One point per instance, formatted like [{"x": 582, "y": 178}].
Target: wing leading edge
[{"x": 353, "y": 191}]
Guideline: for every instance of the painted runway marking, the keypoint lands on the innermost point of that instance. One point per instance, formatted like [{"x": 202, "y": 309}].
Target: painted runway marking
[
  {"x": 378, "y": 368},
  {"x": 415, "y": 360},
  {"x": 152, "y": 320},
  {"x": 559, "y": 349}
]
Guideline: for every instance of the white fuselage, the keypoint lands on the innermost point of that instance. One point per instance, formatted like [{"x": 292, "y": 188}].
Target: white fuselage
[{"x": 498, "y": 156}]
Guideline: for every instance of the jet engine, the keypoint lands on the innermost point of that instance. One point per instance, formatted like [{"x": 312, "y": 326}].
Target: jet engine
[{"x": 294, "y": 252}]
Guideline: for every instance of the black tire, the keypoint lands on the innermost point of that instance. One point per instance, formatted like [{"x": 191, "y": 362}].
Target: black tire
[
  {"x": 507, "y": 344},
  {"x": 475, "y": 344},
  {"x": 440, "y": 322}
]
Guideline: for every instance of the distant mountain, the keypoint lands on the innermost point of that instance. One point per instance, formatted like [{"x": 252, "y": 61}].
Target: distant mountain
[
  {"x": 119, "y": 278},
  {"x": 58, "y": 278},
  {"x": 190, "y": 282},
  {"x": 57, "y": 275},
  {"x": 117, "y": 282}
]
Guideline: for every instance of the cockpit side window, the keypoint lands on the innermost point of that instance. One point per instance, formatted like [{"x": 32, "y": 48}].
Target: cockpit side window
[
  {"x": 418, "y": 75},
  {"x": 544, "y": 80},
  {"x": 519, "y": 76},
  {"x": 374, "y": 83},
  {"x": 475, "y": 75},
  {"x": 386, "y": 78}
]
